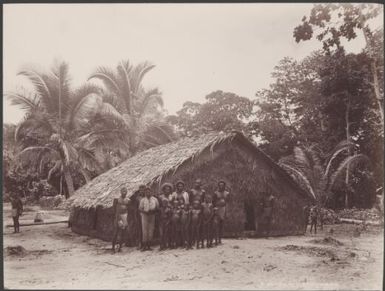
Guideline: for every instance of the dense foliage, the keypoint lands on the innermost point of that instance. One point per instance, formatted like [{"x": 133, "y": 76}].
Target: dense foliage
[{"x": 321, "y": 117}]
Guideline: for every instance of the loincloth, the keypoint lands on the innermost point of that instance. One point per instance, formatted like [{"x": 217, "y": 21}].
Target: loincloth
[{"x": 122, "y": 221}]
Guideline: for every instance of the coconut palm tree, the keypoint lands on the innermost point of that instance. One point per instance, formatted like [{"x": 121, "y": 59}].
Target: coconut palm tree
[
  {"x": 139, "y": 108},
  {"x": 318, "y": 179},
  {"x": 56, "y": 116}
]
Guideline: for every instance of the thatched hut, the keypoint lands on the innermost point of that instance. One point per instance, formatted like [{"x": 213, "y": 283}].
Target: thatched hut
[{"x": 248, "y": 172}]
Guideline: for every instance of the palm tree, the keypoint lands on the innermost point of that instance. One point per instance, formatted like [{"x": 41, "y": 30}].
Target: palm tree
[
  {"x": 139, "y": 108},
  {"x": 306, "y": 167},
  {"x": 56, "y": 115}
]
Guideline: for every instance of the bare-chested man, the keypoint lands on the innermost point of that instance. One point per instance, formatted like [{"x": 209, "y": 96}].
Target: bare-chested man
[
  {"x": 207, "y": 215},
  {"x": 196, "y": 224},
  {"x": 197, "y": 193},
  {"x": 221, "y": 197},
  {"x": 120, "y": 222}
]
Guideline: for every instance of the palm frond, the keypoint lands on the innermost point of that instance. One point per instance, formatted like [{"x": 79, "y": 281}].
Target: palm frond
[
  {"x": 164, "y": 129},
  {"x": 40, "y": 85},
  {"x": 32, "y": 129},
  {"x": 333, "y": 157},
  {"x": 68, "y": 150},
  {"x": 301, "y": 157},
  {"x": 33, "y": 155},
  {"x": 56, "y": 168},
  {"x": 351, "y": 162},
  {"x": 149, "y": 98},
  {"x": 106, "y": 109},
  {"x": 87, "y": 159},
  {"x": 127, "y": 86},
  {"x": 297, "y": 174},
  {"x": 84, "y": 107},
  {"x": 27, "y": 103},
  {"x": 112, "y": 139},
  {"x": 109, "y": 79},
  {"x": 138, "y": 73}
]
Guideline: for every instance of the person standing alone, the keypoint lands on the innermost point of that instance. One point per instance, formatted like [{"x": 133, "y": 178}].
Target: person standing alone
[
  {"x": 221, "y": 197},
  {"x": 17, "y": 211},
  {"x": 120, "y": 222}
]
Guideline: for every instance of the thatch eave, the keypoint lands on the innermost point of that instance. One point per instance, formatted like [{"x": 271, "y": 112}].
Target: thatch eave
[{"x": 153, "y": 165}]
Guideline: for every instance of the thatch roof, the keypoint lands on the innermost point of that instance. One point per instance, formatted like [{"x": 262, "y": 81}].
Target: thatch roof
[{"x": 150, "y": 166}]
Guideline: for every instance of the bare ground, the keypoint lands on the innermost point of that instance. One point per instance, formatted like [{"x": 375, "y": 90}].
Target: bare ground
[{"x": 51, "y": 256}]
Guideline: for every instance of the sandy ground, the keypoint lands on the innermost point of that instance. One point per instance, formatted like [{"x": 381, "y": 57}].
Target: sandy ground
[{"x": 57, "y": 258}]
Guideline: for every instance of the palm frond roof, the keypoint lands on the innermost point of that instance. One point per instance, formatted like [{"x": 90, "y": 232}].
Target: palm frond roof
[{"x": 150, "y": 166}]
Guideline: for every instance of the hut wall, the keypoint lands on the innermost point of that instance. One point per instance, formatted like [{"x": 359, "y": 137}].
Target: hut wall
[
  {"x": 288, "y": 217},
  {"x": 247, "y": 176},
  {"x": 93, "y": 222}
]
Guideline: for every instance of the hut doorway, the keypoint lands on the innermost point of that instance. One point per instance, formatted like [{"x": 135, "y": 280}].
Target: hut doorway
[{"x": 249, "y": 215}]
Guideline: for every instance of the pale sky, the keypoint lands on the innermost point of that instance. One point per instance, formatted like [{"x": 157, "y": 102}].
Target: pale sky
[{"x": 197, "y": 48}]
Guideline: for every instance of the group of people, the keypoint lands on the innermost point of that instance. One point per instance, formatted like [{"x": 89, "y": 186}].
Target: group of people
[
  {"x": 313, "y": 216},
  {"x": 178, "y": 218}
]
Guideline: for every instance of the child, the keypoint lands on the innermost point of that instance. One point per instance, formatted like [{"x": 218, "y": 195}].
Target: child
[
  {"x": 196, "y": 223},
  {"x": 165, "y": 224},
  {"x": 175, "y": 224},
  {"x": 207, "y": 215},
  {"x": 185, "y": 220},
  {"x": 216, "y": 220},
  {"x": 313, "y": 219}
]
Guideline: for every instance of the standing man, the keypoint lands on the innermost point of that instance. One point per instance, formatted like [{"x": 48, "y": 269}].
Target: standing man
[
  {"x": 197, "y": 193},
  {"x": 137, "y": 225},
  {"x": 221, "y": 197},
  {"x": 180, "y": 194},
  {"x": 147, "y": 208},
  {"x": 120, "y": 222},
  {"x": 17, "y": 211},
  {"x": 313, "y": 218},
  {"x": 268, "y": 212}
]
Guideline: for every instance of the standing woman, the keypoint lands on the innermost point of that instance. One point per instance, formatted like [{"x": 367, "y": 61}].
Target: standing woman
[
  {"x": 147, "y": 207},
  {"x": 135, "y": 199}
]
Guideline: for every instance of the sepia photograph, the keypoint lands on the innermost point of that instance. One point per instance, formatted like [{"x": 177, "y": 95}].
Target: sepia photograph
[{"x": 193, "y": 146}]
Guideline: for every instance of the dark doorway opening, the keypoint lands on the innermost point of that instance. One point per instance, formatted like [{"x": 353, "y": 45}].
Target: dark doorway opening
[{"x": 250, "y": 215}]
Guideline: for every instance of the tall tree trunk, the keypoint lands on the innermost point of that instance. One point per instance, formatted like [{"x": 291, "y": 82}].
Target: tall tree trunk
[
  {"x": 69, "y": 181},
  {"x": 376, "y": 87},
  {"x": 349, "y": 152},
  {"x": 132, "y": 136},
  {"x": 61, "y": 185},
  {"x": 373, "y": 67}
]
